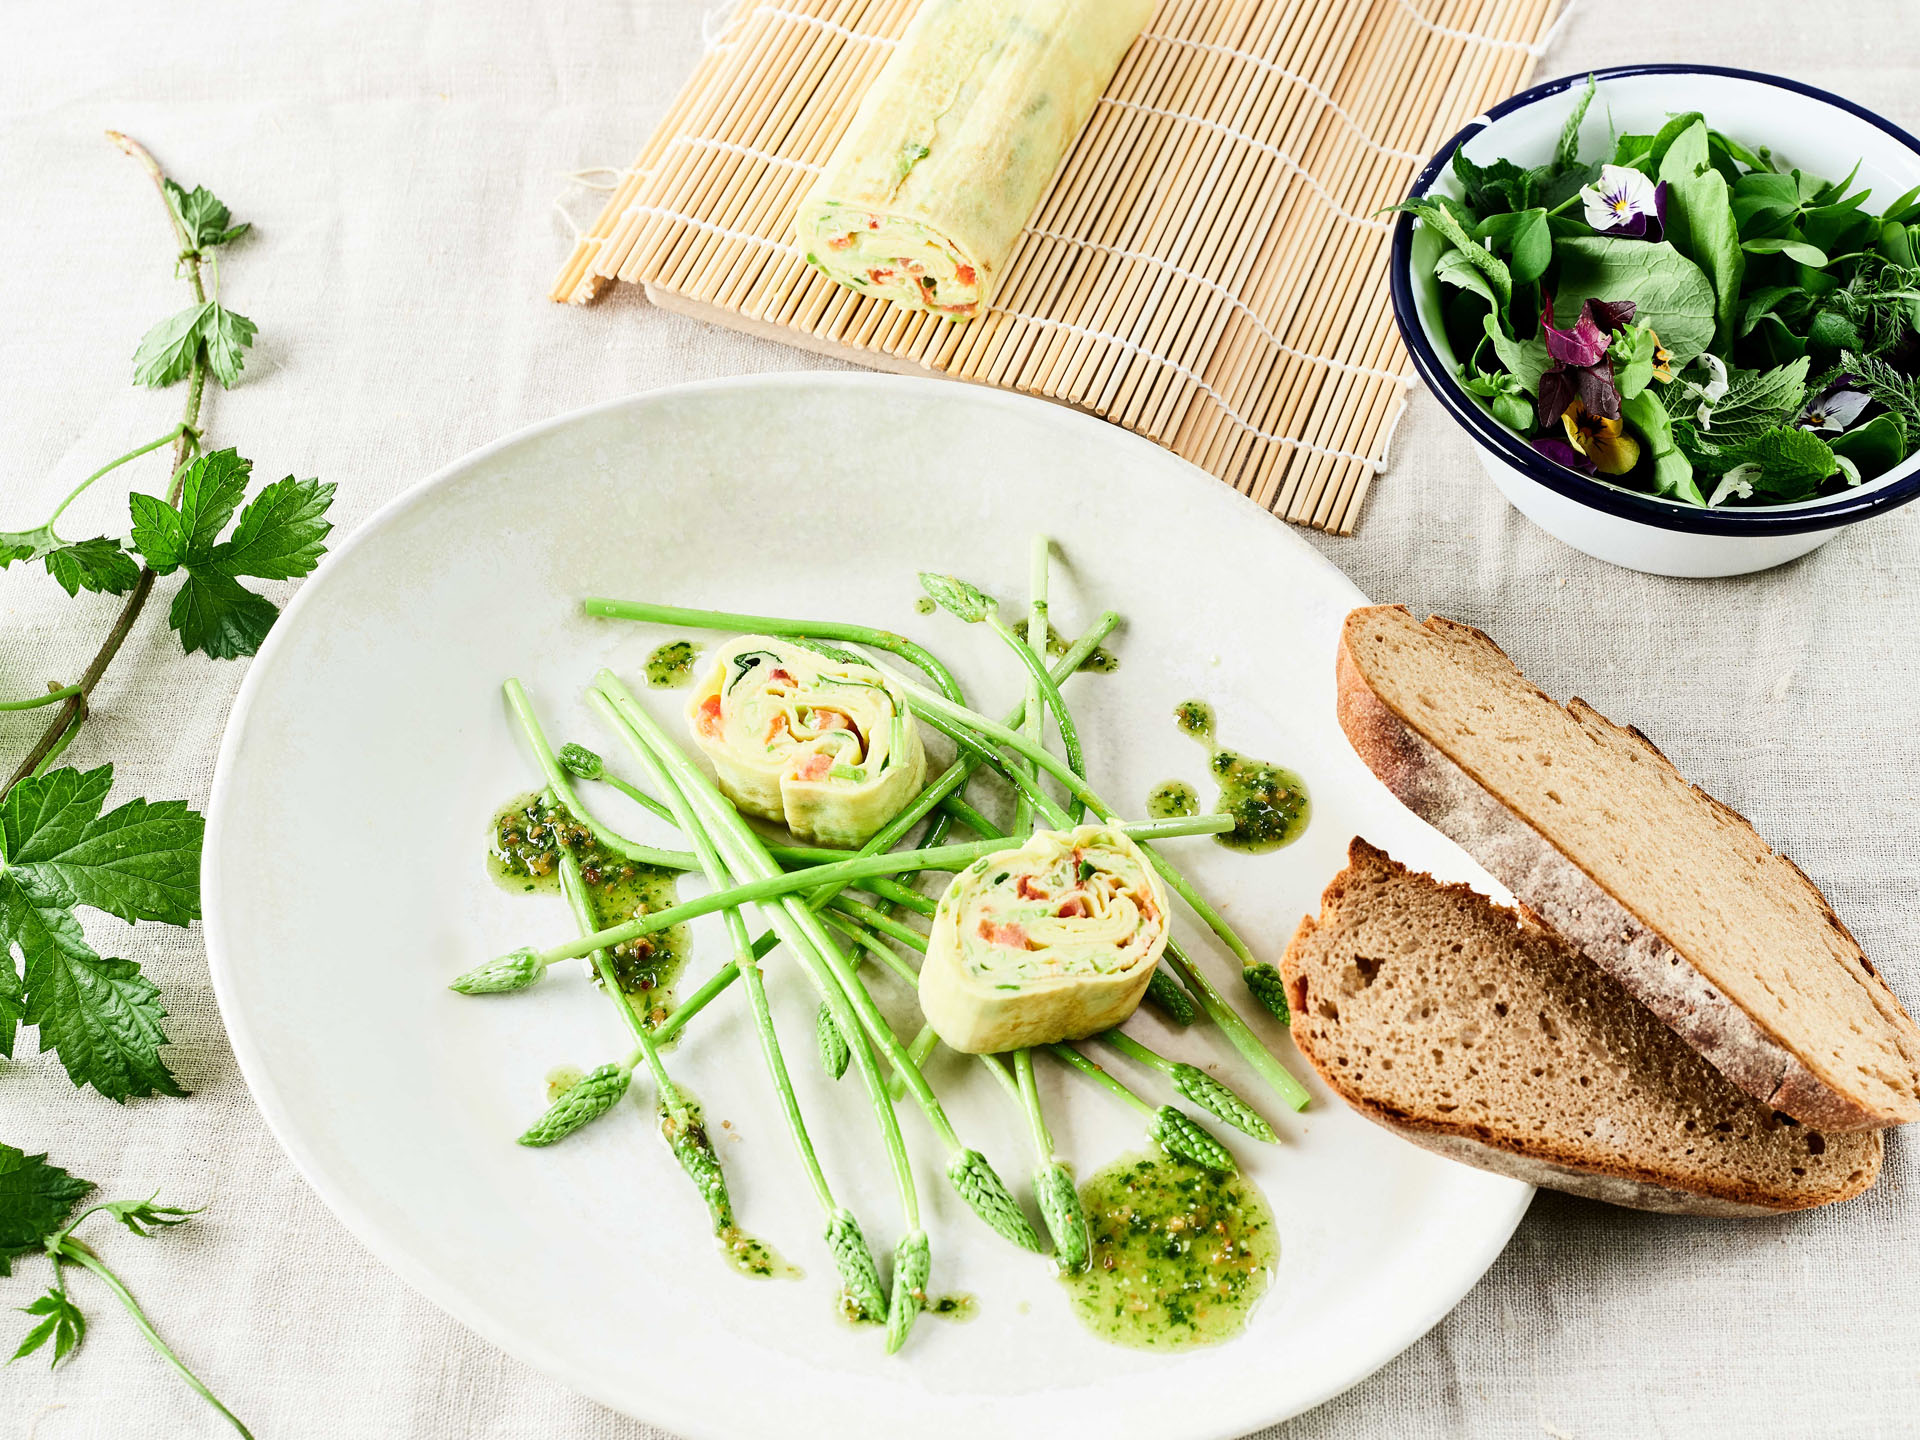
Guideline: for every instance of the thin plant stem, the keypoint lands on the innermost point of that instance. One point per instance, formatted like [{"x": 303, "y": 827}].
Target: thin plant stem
[
  {"x": 82, "y": 1255},
  {"x": 112, "y": 465},
  {"x": 59, "y": 731},
  {"x": 34, "y": 702}
]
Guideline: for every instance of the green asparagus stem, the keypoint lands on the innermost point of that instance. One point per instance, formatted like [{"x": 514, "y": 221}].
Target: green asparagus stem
[
  {"x": 742, "y": 853},
  {"x": 860, "y": 1276},
  {"x": 972, "y": 1177},
  {"x": 1172, "y": 1130},
  {"x": 1196, "y": 1085},
  {"x": 561, "y": 784},
  {"x": 1052, "y": 1185},
  {"x": 938, "y": 710},
  {"x": 779, "y": 883},
  {"x": 1034, "y": 724},
  {"x": 588, "y": 765}
]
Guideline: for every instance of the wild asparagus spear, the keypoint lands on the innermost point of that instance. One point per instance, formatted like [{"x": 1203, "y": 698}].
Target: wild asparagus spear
[
  {"x": 974, "y": 605},
  {"x": 860, "y": 1277},
  {"x": 1196, "y": 1085},
  {"x": 496, "y": 975},
  {"x": 1172, "y": 1130},
  {"x": 834, "y": 976},
  {"x": 967, "y": 725},
  {"x": 912, "y": 1255},
  {"x": 1033, "y": 724}
]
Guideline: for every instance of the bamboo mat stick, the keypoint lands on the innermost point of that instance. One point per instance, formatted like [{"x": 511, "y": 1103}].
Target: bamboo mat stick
[{"x": 1207, "y": 269}]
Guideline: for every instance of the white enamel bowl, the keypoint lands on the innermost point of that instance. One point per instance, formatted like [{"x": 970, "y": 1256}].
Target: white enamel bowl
[
  {"x": 345, "y": 887},
  {"x": 1805, "y": 127}
]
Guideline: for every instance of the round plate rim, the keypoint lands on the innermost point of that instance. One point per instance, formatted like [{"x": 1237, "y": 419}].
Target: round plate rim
[{"x": 391, "y": 1250}]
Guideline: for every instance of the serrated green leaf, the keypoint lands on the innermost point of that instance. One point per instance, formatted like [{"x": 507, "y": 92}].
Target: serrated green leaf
[
  {"x": 99, "y": 565},
  {"x": 206, "y": 221},
  {"x": 165, "y": 353},
  {"x": 281, "y": 531},
  {"x": 35, "y": 1200},
  {"x": 139, "y": 861},
  {"x": 1793, "y": 463},
  {"x": 226, "y": 334},
  {"x": 218, "y": 615},
  {"x": 64, "y": 1325}
]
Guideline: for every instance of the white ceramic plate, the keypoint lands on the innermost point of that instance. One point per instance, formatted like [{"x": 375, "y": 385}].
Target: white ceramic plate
[{"x": 345, "y": 884}]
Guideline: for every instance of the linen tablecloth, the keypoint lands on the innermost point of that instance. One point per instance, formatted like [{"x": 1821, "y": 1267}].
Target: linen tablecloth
[{"x": 400, "y": 163}]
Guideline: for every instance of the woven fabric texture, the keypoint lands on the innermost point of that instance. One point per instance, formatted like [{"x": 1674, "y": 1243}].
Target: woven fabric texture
[{"x": 400, "y": 162}]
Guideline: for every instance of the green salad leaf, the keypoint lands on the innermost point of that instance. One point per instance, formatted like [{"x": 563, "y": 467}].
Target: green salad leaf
[
  {"x": 1671, "y": 293},
  {"x": 35, "y": 1200}
]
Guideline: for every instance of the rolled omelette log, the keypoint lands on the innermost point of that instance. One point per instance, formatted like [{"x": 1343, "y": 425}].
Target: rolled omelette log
[
  {"x": 1051, "y": 941},
  {"x": 825, "y": 747},
  {"x": 955, "y": 143}
]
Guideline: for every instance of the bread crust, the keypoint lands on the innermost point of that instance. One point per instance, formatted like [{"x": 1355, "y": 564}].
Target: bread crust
[
  {"x": 1576, "y": 906},
  {"x": 1481, "y": 1148}
]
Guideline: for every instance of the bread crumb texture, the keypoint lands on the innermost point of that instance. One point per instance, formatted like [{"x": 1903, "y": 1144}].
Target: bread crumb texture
[
  {"x": 1432, "y": 1008},
  {"x": 1686, "y": 866}
]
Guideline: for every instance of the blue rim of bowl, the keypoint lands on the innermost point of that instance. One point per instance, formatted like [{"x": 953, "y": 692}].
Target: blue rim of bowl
[{"x": 1646, "y": 509}]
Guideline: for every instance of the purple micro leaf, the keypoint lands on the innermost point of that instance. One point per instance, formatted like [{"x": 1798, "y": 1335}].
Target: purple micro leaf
[
  {"x": 1557, "y": 391},
  {"x": 1584, "y": 344},
  {"x": 1611, "y": 314},
  {"x": 1597, "y": 390},
  {"x": 1562, "y": 453},
  {"x": 1660, "y": 208}
]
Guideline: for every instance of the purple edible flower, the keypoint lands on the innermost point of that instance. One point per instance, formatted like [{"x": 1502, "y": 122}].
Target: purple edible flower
[
  {"x": 1562, "y": 453},
  {"x": 1623, "y": 201},
  {"x": 1836, "y": 407}
]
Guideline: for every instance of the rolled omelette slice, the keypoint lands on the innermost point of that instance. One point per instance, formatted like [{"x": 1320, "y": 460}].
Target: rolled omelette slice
[
  {"x": 955, "y": 144},
  {"x": 825, "y": 747},
  {"x": 1051, "y": 941}
]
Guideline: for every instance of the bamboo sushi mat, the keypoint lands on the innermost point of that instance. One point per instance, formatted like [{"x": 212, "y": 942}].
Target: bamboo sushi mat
[{"x": 1208, "y": 268}]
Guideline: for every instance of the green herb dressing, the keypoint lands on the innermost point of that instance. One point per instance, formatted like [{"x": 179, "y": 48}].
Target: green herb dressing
[
  {"x": 1173, "y": 800},
  {"x": 1181, "y": 1255},
  {"x": 524, "y": 855},
  {"x": 925, "y": 605},
  {"x": 1102, "y": 660},
  {"x": 670, "y": 667},
  {"x": 755, "y": 1258},
  {"x": 1269, "y": 803}
]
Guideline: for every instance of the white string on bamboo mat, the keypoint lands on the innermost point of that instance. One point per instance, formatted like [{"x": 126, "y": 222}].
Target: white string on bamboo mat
[
  {"x": 748, "y": 152},
  {"x": 1232, "y": 299},
  {"x": 1273, "y": 67},
  {"x": 1261, "y": 145},
  {"x": 1536, "y": 49}
]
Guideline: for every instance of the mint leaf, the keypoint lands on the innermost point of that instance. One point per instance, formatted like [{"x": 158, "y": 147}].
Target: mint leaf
[
  {"x": 99, "y": 564},
  {"x": 64, "y": 1325},
  {"x": 206, "y": 221},
  {"x": 165, "y": 353},
  {"x": 140, "y": 861},
  {"x": 1793, "y": 463},
  {"x": 280, "y": 536},
  {"x": 226, "y": 334},
  {"x": 35, "y": 1200},
  {"x": 1757, "y": 401}
]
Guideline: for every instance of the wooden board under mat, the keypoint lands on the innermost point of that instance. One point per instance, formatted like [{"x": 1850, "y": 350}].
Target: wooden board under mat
[{"x": 1208, "y": 268}]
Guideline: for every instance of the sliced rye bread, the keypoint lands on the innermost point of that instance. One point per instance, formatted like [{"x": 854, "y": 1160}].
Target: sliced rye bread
[
  {"x": 1652, "y": 879},
  {"x": 1475, "y": 1032}
]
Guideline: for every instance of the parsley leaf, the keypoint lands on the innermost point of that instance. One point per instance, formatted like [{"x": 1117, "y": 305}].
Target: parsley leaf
[
  {"x": 98, "y": 564},
  {"x": 279, "y": 536},
  {"x": 206, "y": 221},
  {"x": 139, "y": 861},
  {"x": 35, "y": 1200},
  {"x": 64, "y": 1324},
  {"x": 165, "y": 353}
]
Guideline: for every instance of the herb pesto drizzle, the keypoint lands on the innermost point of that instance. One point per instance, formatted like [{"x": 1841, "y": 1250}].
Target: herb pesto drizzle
[{"x": 1269, "y": 803}]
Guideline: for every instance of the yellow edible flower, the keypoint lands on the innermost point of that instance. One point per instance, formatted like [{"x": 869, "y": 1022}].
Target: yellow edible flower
[{"x": 1612, "y": 450}]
